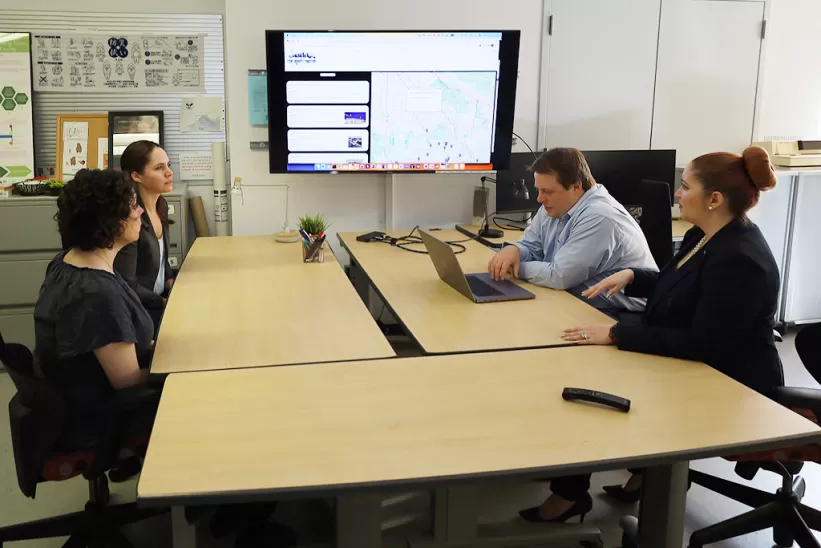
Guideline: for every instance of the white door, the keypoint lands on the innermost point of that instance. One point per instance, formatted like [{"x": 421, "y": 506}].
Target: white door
[
  {"x": 707, "y": 76},
  {"x": 803, "y": 298},
  {"x": 600, "y": 71}
]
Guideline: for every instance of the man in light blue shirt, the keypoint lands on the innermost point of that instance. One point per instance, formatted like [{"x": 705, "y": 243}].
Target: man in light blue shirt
[{"x": 580, "y": 236}]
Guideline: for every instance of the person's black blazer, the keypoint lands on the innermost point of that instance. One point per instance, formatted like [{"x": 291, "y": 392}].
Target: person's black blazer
[
  {"x": 719, "y": 307},
  {"x": 138, "y": 263}
]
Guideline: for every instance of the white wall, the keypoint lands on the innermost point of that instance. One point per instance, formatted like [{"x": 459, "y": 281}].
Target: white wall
[
  {"x": 790, "y": 85},
  {"x": 106, "y": 6},
  {"x": 352, "y": 201}
]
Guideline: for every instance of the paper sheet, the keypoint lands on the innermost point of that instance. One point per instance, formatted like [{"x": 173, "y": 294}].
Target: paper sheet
[
  {"x": 119, "y": 62},
  {"x": 75, "y": 131},
  {"x": 102, "y": 152},
  {"x": 75, "y": 156},
  {"x": 195, "y": 166},
  {"x": 16, "y": 120},
  {"x": 201, "y": 114},
  {"x": 258, "y": 97}
]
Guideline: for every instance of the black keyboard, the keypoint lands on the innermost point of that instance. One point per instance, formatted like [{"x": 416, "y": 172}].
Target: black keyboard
[{"x": 482, "y": 289}]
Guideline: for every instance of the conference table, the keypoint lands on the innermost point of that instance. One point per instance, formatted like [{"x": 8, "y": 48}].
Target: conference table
[
  {"x": 442, "y": 321},
  {"x": 251, "y": 302},
  {"x": 360, "y": 429}
]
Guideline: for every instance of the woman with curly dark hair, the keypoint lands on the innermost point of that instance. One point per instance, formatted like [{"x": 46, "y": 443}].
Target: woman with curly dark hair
[
  {"x": 93, "y": 337},
  {"x": 144, "y": 263}
]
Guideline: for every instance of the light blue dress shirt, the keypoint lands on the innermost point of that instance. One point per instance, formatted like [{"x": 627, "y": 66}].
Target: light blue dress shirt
[{"x": 593, "y": 240}]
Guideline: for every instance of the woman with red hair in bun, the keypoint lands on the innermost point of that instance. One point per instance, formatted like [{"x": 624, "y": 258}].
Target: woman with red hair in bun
[{"x": 715, "y": 302}]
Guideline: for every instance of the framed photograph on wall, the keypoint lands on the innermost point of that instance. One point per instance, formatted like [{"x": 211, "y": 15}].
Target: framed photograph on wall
[{"x": 125, "y": 128}]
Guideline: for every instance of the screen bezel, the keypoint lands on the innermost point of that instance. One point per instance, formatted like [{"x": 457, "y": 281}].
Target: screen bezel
[{"x": 505, "y": 102}]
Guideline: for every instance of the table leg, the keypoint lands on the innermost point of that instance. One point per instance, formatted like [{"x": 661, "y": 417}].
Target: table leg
[
  {"x": 184, "y": 534},
  {"x": 455, "y": 512},
  {"x": 455, "y": 525},
  {"x": 661, "y": 514},
  {"x": 359, "y": 521}
]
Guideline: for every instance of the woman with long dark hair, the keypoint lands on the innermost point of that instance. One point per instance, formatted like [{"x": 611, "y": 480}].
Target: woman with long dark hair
[{"x": 144, "y": 264}]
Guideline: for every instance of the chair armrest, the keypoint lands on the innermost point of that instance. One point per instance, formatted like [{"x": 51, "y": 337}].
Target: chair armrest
[
  {"x": 134, "y": 398},
  {"x": 800, "y": 398},
  {"x": 118, "y": 410}
]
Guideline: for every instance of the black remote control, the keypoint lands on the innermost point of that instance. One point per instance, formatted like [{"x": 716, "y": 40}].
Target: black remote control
[{"x": 594, "y": 396}]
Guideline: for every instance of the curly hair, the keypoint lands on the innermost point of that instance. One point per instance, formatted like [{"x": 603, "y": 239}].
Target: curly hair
[{"x": 92, "y": 207}]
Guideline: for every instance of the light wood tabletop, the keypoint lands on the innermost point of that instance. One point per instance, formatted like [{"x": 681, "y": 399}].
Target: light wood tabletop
[
  {"x": 250, "y": 302},
  {"x": 225, "y": 435},
  {"x": 443, "y": 321},
  {"x": 680, "y": 228}
]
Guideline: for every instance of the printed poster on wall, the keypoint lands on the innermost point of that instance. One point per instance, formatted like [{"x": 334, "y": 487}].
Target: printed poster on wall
[
  {"x": 104, "y": 62},
  {"x": 16, "y": 118}
]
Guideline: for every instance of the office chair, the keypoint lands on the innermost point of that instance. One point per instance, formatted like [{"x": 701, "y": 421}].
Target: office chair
[
  {"x": 38, "y": 423},
  {"x": 791, "y": 520},
  {"x": 649, "y": 204}
]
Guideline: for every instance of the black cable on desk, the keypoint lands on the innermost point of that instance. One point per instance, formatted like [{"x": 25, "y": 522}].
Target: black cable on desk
[{"x": 411, "y": 239}]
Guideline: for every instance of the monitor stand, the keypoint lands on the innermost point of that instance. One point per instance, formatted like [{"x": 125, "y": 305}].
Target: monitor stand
[{"x": 487, "y": 232}]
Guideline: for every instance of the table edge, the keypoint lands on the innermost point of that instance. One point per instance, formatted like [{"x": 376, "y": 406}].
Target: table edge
[{"x": 472, "y": 478}]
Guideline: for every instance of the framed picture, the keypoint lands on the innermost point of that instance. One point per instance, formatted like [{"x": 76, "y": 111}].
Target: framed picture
[{"x": 125, "y": 128}]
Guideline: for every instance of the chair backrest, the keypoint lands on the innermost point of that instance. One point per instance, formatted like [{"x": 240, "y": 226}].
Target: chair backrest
[
  {"x": 37, "y": 415},
  {"x": 649, "y": 204},
  {"x": 808, "y": 347}
]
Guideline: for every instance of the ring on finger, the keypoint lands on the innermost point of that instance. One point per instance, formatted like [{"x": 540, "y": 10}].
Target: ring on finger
[{"x": 585, "y": 336}]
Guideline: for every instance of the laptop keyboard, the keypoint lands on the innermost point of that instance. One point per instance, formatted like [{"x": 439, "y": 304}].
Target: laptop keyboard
[{"x": 482, "y": 289}]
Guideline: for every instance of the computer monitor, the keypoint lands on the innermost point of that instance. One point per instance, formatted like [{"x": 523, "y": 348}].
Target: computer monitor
[
  {"x": 609, "y": 168},
  {"x": 375, "y": 102},
  {"x": 622, "y": 167}
]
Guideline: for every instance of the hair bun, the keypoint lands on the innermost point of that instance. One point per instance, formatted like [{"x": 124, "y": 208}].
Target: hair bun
[{"x": 758, "y": 166}]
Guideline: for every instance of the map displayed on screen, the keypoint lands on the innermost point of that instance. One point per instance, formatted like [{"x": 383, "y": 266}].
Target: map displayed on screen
[{"x": 439, "y": 117}]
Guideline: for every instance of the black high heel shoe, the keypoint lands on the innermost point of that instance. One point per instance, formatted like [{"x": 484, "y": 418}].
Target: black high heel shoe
[
  {"x": 580, "y": 508},
  {"x": 619, "y": 493}
]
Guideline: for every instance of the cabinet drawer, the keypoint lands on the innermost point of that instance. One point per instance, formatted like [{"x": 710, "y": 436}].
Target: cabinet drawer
[
  {"x": 29, "y": 227},
  {"x": 17, "y": 326},
  {"x": 20, "y": 280}
]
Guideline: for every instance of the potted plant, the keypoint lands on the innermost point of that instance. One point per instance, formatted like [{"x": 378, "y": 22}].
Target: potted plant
[{"x": 312, "y": 229}]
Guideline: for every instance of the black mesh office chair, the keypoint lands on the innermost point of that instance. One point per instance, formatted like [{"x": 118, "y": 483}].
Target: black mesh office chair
[
  {"x": 782, "y": 511},
  {"x": 38, "y": 424},
  {"x": 649, "y": 203}
]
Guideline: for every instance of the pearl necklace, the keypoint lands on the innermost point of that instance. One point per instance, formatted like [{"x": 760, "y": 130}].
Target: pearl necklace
[{"x": 693, "y": 251}]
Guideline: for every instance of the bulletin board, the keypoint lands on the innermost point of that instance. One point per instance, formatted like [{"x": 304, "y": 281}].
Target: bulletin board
[
  {"x": 91, "y": 152},
  {"x": 48, "y": 104}
]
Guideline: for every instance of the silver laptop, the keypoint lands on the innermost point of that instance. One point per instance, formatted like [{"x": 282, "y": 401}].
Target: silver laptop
[{"x": 479, "y": 288}]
